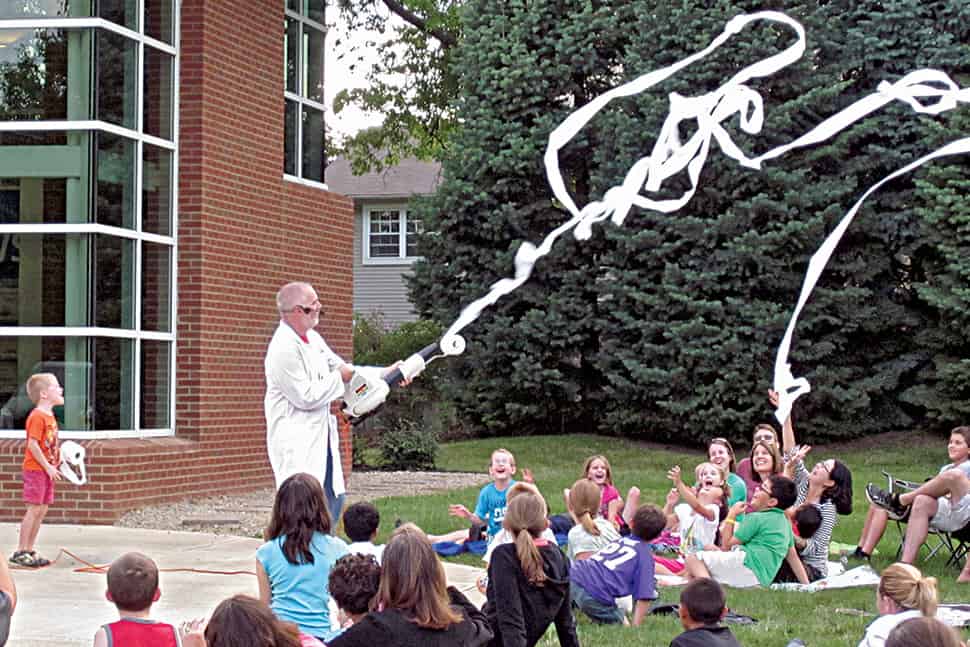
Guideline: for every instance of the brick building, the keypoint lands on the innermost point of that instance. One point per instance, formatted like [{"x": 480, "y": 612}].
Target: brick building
[{"x": 161, "y": 168}]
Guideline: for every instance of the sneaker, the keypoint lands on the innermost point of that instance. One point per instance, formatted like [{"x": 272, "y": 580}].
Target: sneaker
[
  {"x": 887, "y": 501},
  {"x": 39, "y": 562},
  {"x": 24, "y": 559}
]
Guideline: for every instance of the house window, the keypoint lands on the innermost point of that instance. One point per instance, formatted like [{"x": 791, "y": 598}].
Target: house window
[
  {"x": 390, "y": 235},
  {"x": 304, "y": 34}
]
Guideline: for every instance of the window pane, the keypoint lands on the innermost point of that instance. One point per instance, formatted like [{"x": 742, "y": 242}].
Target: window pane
[
  {"x": 113, "y": 282},
  {"x": 41, "y": 9},
  {"x": 115, "y": 70},
  {"x": 385, "y": 237},
  {"x": 158, "y": 20},
  {"x": 113, "y": 392},
  {"x": 156, "y": 193},
  {"x": 158, "y": 93},
  {"x": 96, "y": 374},
  {"x": 155, "y": 384},
  {"x": 313, "y": 9},
  {"x": 33, "y": 75},
  {"x": 313, "y": 153},
  {"x": 115, "y": 164},
  {"x": 413, "y": 229},
  {"x": 293, "y": 5},
  {"x": 290, "y": 133},
  {"x": 123, "y": 12},
  {"x": 291, "y": 46},
  {"x": 29, "y": 200},
  {"x": 156, "y": 281},
  {"x": 312, "y": 72}
]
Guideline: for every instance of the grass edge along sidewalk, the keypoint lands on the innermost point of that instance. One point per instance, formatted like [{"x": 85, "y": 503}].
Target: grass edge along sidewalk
[{"x": 557, "y": 461}]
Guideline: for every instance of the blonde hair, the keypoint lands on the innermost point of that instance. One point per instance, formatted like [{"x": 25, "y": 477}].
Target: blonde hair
[
  {"x": 413, "y": 580},
  {"x": 37, "y": 383},
  {"x": 525, "y": 518},
  {"x": 905, "y": 585},
  {"x": 584, "y": 501},
  {"x": 599, "y": 457},
  {"x": 520, "y": 487}
]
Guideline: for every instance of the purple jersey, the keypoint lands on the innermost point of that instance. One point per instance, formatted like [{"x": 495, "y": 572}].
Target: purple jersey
[{"x": 624, "y": 567}]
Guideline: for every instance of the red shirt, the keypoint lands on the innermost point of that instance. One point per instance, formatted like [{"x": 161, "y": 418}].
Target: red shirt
[
  {"x": 42, "y": 427},
  {"x": 138, "y": 632}
]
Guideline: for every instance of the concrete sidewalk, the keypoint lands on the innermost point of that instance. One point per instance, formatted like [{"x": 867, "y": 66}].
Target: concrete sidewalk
[{"x": 59, "y": 606}]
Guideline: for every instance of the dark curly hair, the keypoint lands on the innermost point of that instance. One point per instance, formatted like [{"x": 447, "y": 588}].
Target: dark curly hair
[
  {"x": 361, "y": 520},
  {"x": 354, "y": 580}
]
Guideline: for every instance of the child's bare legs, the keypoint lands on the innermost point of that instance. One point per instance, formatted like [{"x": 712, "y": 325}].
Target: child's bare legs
[
  {"x": 694, "y": 568},
  {"x": 30, "y": 526},
  {"x": 924, "y": 507},
  {"x": 632, "y": 503},
  {"x": 456, "y": 536},
  {"x": 951, "y": 482},
  {"x": 873, "y": 529}
]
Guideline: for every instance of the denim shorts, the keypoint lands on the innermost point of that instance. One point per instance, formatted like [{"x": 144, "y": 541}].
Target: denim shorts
[{"x": 608, "y": 614}]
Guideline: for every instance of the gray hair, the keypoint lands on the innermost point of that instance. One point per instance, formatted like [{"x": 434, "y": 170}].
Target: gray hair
[{"x": 290, "y": 295}]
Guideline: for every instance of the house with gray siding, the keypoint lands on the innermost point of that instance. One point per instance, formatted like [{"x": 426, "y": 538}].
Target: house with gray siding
[{"x": 384, "y": 232}]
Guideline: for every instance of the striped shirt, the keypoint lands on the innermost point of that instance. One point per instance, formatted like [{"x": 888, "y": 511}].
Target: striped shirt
[{"x": 816, "y": 551}]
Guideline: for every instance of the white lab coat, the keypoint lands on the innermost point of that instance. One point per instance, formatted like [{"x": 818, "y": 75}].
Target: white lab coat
[{"x": 302, "y": 379}]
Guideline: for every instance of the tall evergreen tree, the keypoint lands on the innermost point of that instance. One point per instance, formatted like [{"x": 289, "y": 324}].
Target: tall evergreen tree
[{"x": 667, "y": 327}]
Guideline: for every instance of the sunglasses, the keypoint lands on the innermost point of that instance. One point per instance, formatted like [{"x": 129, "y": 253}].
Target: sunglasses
[{"x": 305, "y": 309}]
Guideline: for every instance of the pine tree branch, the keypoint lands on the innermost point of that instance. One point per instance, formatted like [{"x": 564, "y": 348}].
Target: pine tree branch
[{"x": 446, "y": 39}]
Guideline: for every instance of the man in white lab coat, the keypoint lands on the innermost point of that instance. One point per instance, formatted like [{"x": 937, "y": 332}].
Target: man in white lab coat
[{"x": 303, "y": 378}]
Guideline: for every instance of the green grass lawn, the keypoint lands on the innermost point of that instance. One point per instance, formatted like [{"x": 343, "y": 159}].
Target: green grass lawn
[{"x": 557, "y": 461}]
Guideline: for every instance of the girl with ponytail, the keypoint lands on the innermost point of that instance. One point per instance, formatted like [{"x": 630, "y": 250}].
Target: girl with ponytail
[
  {"x": 528, "y": 580},
  {"x": 592, "y": 531},
  {"x": 903, "y": 593}
]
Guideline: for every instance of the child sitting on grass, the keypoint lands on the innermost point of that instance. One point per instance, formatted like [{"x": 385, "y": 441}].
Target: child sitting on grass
[
  {"x": 622, "y": 568},
  {"x": 491, "y": 504},
  {"x": 697, "y": 518},
  {"x": 293, "y": 566},
  {"x": 702, "y": 605},
  {"x": 761, "y": 542},
  {"x": 133, "y": 588},
  {"x": 354, "y": 581},
  {"x": 361, "y": 521},
  {"x": 592, "y": 531},
  {"x": 528, "y": 583}
]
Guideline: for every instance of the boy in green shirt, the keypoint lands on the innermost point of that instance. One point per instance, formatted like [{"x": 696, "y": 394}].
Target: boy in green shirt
[{"x": 752, "y": 553}]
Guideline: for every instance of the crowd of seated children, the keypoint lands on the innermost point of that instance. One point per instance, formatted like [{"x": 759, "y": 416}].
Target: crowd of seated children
[{"x": 528, "y": 580}]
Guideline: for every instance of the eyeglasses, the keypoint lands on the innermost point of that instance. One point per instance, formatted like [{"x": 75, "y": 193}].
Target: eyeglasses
[
  {"x": 305, "y": 309},
  {"x": 765, "y": 489}
]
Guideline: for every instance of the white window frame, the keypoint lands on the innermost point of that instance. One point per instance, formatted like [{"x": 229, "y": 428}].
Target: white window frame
[
  {"x": 300, "y": 100},
  {"x": 137, "y": 235},
  {"x": 402, "y": 258}
]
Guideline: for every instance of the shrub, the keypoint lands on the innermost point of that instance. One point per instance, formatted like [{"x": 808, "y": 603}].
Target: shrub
[{"x": 408, "y": 446}]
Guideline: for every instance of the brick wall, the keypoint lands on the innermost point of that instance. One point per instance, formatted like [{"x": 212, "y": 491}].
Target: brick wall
[{"x": 243, "y": 232}]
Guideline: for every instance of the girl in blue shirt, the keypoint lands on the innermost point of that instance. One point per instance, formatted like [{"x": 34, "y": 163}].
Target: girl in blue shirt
[{"x": 293, "y": 566}]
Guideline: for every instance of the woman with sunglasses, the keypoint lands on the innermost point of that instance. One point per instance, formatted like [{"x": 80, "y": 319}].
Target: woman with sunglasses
[{"x": 828, "y": 487}]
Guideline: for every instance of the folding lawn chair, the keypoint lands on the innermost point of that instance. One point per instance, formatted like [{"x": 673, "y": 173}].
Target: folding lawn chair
[{"x": 956, "y": 543}]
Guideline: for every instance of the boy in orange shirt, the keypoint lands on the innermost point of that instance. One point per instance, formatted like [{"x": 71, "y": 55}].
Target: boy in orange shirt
[{"x": 42, "y": 457}]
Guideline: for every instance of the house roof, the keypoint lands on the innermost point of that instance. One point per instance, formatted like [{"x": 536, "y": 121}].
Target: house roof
[{"x": 410, "y": 177}]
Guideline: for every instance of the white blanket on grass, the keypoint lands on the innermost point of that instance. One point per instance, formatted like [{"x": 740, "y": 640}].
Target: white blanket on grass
[{"x": 838, "y": 578}]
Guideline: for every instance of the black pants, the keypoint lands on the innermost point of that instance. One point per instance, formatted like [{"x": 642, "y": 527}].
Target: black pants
[{"x": 786, "y": 574}]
